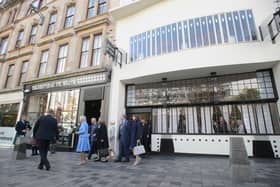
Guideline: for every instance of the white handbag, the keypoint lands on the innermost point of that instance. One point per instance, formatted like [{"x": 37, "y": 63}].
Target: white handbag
[{"x": 139, "y": 150}]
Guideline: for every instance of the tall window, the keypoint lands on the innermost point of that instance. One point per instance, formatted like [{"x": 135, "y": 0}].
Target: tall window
[
  {"x": 91, "y": 10},
  {"x": 35, "y": 3},
  {"x": 84, "y": 53},
  {"x": 62, "y": 58},
  {"x": 12, "y": 15},
  {"x": 102, "y": 7},
  {"x": 43, "y": 63},
  {"x": 10, "y": 76},
  {"x": 23, "y": 73},
  {"x": 51, "y": 24},
  {"x": 3, "y": 45},
  {"x": 69, "y": 20},
  {"x": 19, "y": 39},
  {"x": 33, "y": 33},
  {"x": 97, "y": 49}
]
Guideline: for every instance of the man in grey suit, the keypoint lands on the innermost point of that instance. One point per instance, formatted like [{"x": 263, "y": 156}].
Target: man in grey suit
[
  {"x": 123, "y": 137},
  {"x": 45, "y": 130}
]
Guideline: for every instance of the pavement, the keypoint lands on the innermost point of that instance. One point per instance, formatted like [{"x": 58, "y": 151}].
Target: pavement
[{"x": 154, "y": 171}]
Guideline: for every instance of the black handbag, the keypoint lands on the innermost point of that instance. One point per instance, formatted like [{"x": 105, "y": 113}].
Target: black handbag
[{"x": 103, "y": 152}]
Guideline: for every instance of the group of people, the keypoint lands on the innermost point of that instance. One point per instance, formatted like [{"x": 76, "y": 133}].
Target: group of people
[
  {"x": 130, "y": 134},
  {"x": 93, "y": 138}
]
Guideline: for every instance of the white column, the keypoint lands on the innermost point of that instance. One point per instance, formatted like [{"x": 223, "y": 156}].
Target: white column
[{"x": 276, "y": 72}]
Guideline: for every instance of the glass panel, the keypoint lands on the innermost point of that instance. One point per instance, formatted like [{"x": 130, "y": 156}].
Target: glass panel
[
  {"x": 232, "y": 38},
  {"x": 148, "y": 44},
  {"x": 237, "y": 27},
  {"x": 144, "y": 45},
  {"x": 169, "y": 38},
  {"x": 139, "y": 47},
  {"x": 192, "y": 33},
  {"x": 218, "y": 29},
  {"x": 260, "y": 119},
  {"x": 174, "y": 37},
  {"x": 267, "y": 117},
  {"x": 163, "y": 39},
  {"x": 186, "y": 34},
  {"x": 158, "y": 33},
  {"x": 224, "y": 27},
  {"x": 211, "y": 30},
  {"x": 180, "y": 35},
  {"x": 252, "y": 24},
  {"x": 204, "y": 31},
  {"x": 198, "y": 33},
  {"x": 135, "y": 57},
  {"x": 153, "y": 43},
  {"x": 131, "y": 50}
]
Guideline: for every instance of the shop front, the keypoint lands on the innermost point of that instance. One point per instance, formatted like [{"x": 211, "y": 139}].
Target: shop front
[
  {"x": 10, "y": 104},
  {"x": 69, "y": 97},
  {"x": 200, "y": 115}
]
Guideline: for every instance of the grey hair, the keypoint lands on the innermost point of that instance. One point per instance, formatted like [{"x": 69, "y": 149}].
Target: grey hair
[{"x": 83, "y": 118}]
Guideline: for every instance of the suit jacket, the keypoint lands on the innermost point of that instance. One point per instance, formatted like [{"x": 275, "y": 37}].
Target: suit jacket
[
  {"x": 22, "y": 125},
  {"x": 46, "y": 128},
  {"x": 123, "y": 134}
]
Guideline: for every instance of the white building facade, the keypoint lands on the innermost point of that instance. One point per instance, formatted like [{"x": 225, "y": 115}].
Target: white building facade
[{"x": 200, "y": 72}]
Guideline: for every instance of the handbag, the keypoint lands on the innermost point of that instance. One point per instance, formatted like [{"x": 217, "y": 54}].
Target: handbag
[{"x": 139, "y": 150}]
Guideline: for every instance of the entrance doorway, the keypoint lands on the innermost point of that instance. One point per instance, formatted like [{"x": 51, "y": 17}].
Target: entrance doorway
[{"x": 92, "y": 109}]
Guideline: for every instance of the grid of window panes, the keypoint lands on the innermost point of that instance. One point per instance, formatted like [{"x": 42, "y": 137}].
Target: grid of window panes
[
  {"x": 43, "y": 63},
  {"x": 91, "y": 9},
  {"x": 23, "y": 72},
  {"x": 52, "y": 24},
  {"x": 252, "y": 86},
  {"x": 33, "y": 33},
  {"x": 230, "y": 27},
  {"x": 69, "y": 20},
  {"x": 257, "y": 118},
  {"x": 97, "y": 43},
  {"x": 62, "y": 58},
  {"x": 3, "y": 45}
]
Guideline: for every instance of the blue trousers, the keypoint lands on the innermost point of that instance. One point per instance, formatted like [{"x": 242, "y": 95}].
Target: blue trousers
[{"x": 123, "y": 150}]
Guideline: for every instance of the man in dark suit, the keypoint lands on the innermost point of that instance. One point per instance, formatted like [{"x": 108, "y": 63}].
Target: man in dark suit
[
  {"x": 123, "y": 135},
  {"x": 45, "y": 130}
]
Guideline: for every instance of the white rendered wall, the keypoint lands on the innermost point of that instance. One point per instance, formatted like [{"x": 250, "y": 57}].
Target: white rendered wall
[
  {"x": 223, "y": 56},
  {"x": 276, "y": 72}
]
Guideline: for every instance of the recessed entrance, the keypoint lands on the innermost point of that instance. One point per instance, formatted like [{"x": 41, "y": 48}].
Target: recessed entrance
[{"x": 92, "y": 109}]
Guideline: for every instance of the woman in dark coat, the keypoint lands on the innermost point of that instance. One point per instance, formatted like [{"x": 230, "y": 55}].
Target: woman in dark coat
[
  {"x": 102, "y": 141},
  {"x": 133, "y": 128}
]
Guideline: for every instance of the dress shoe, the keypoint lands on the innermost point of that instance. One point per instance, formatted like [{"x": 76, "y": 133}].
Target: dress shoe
[{"x": 40, "y": 167}]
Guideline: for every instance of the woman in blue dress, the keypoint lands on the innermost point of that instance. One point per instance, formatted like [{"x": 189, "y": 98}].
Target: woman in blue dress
[{"x": 83, "y": 143}]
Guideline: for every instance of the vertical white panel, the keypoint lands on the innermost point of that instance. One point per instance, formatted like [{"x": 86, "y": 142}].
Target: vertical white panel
[
  {"x": 190, "y": 119},
  {"x": 208, "y": 120},
  {"x": 226, "y": 115},
  {"x": 195, "y": 120},
  {"x": 260, "y": 119},
  {"x": 159, "y": 120},
  {"x": 187, "y": 119},
  {"x": 252, "y": 119},
  {"x": 203, "y": 130},
  {"x": 164, "y": 120},
  {"x": 175, "y": 120},
  {"x": 246, "y": 119},
  {"x": 267, "y": 117}
]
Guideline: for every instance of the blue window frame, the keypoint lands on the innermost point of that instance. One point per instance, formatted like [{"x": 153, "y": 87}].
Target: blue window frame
[
  {"x": 231, "y": 27},
  {"x": 153, "y": 43},
  {"x": 211, "y": 30},
  {"x": 244, "y": 24},
  {"x": 169, "y": 38},
  {"x": 163, "y": 39},
  {"x": 192, "y": 33},
  {"x": 135, "y": 48},
  {"x": 218, "y": 29},
  {"x": 139, "y": 42},
  {"x": 204, "y": 31},
  {"x": 252, "y": 25},
  {"x": 198, "y": 32},
  {"x": 131, "y": 49},
  {"x": 174, "y": 37},
  {"x": 180, "y": 35},
  {"x": 148, "y": 44},
  {"x": 186, "y": 34},
  {"x": 144, "y": 45},
  {"x": 237, "y": 27},
  {"x": 224, "y": 27},
  {"x": 158, "y": 41}
]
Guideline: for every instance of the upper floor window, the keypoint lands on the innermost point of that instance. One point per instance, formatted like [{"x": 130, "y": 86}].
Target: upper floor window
[
  {"x": 91, "y": 9},
  {"x": 69, "y": 20},
  {"x": 3, "y": 45},
  {"x": 19, "y": 39},
  {"x": 43, "y": 63},
  {"x": 62, "y": 58},
  {"x": 102, "y": 7},
  {"x": 97, "y": 49},
  {"x": 36, "y": 4},
  {"x": 84, "y": 53},
  {"x": 12, "y": 15},
  {"x": 9, "y": 80},
  {"x": 51, "y": 24},
  {"x": 23, "y": 73},
  {"x": 33, "y": 33}
]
